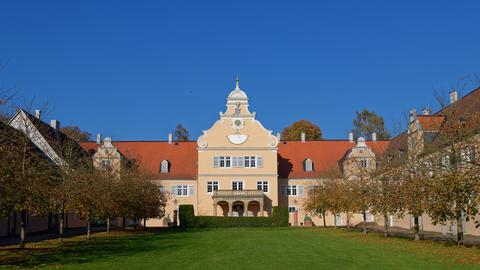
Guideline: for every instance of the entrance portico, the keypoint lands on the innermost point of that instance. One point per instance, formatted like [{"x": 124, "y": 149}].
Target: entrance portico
[{"x": 239, "y": 202}]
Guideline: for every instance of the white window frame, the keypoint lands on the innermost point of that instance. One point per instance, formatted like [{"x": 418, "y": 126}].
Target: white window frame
[
  {"x": 291, "y": 189},
  {"x": 213, "y": 184},
  {"x": 294, "y": 208},
  {"x": 364, "y": 161},
  {"x": 237, "y": 186},
  {"x": 184, "y": 190},
  {"x": 223, "y": 162},
  {"x": 263, "y": 184}
]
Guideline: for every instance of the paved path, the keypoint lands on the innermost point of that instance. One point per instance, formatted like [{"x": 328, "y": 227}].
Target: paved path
[
  {"x": 408, "y": 233},
  {"x": 41, "y": 236}
]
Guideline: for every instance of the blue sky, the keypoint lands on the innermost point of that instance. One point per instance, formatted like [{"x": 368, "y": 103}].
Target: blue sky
[{"x": 133, "y": 70}]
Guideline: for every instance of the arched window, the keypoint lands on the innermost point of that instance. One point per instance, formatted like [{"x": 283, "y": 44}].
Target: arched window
[
  {"x": 164, "y": 166},
  {"x": 308, "y": 165}
]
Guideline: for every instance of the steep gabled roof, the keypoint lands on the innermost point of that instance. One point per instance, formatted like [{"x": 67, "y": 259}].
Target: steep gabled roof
[
  {"x": 182, "y": 156},
  {"x": 325, "y": 155},
  {"x": 470, "y": 103}
]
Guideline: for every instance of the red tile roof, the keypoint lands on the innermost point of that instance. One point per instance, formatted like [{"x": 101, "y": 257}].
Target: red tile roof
[
  {"x": 430, "y": 122},
  {"x": 182, "y": 156},
  {"x": 325, "y": 155}
]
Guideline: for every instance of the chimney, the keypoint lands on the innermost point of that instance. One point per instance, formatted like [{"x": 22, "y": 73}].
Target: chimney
[
  {"x": 303, "y": 137},
  {"x": 350, "y": 136},
  {"x": 413, "y": 115},
  {"x": 453, "y": 96},
  {"x": 38, "y": 114},
  {"x": 55, "y": 124},
  {"x": 426, "y": 111},
  {"x": 170, "y": 138},
  {"x": 279, "y": 136},
  {"x": 99, "y": 138},
  {"x": 374, "y": 136}
]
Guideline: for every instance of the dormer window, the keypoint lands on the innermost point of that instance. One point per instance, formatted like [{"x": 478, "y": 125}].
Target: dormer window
[
  {"x": 164, "y": 166},
  {"x": 308, "y": 165}
]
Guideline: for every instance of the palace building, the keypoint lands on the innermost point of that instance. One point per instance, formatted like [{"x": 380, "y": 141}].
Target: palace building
[{"x": 238, "y": 167}]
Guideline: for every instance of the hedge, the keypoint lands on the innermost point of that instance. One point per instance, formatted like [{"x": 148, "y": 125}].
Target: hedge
[
  {"x": 280, "y": 216},
  {"x": 189, "y": 220},
  {"x": 186, "y": 216}
]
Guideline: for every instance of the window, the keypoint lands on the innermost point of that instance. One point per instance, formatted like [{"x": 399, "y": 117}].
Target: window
[
  {"x": 164, "y": 166},
  {"x": 237, "y": 185},
  {"x": 263, "y": 186},
  {"x": 237, "y": 162},
  {"x": 308, "y": 165},
  {"x": 364, "y": 163},
  {"x": 292, "y": 209},
  {"x": 249, "y": 162},
  {"x": 182, "y": 190},
  {"x": 211, "y": 186},
  {"x": 106, "y": 163},
  {"x": 162, "y": 189},
  {"x": 222, "y": 162},
  {"x": 292, "y": 190}
]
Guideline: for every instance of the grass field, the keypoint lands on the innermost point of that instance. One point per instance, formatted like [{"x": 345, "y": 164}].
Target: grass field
[{"x": 246, "y": 248}]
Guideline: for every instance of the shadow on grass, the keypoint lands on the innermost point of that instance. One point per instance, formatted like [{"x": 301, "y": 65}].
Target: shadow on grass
[{"x": 96, "y": 250}]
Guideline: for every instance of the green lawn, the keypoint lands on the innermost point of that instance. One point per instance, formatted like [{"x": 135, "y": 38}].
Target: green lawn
[{"x": 246, "y": 248}]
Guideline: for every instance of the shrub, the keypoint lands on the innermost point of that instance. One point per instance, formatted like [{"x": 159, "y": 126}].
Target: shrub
[
  {"x": 231, "y": 222},
  {"x": 186, "y": 216},
  {"x": 280, "y": 216}
]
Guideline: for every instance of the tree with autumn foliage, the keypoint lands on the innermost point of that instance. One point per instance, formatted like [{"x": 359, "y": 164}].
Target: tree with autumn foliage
[
  {"x": 26, "y": 175},
  {"x": 294, "y": 132},
  {"x": 386, "y": 189},
  {"x": 454, "y": 192},
  {"x": 317, "y": 201}
]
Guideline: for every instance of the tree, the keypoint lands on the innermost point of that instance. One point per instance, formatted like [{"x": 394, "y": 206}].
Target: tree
[
  {"x": 317, "y": 201},
  {"x": 26, "y": 174},
  {"x": 76, "y": 134},
  {"x": 293, "y": 132},
  {"x": 360, "y": 189},
  {"x": 386, "y": 190},
  {"x": 454, "y": 192},
  {"x": 366, "y": 122},
  {"x": 181, "y": 133}
]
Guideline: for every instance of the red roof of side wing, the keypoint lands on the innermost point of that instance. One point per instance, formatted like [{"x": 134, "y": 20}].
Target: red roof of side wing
[
  {"x": 182, "y": 157},
  {"x": 324, "y": 154}
]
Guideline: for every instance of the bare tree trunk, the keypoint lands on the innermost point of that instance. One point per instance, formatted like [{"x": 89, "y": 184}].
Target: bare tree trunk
[
  {"x": 416, "y": 226},
  {"x": 123, "y": 222},
  {"x": 348, "y": 221},
  {"x": 335, "y": 220},
  {"x": 459, "y": 229},
  {"x": 88, "y": 227},
  {"x": 324, "y": 220},
  {"x": 60, "y": 226},
  {"x": 108, "y": 225},
  {"x": 23, "y": 220},
  {"x": 385, "y": 218},
  {"x": 364, "y": 221},
  {"x": 144, "y": 222},
  {"x": 9, "y": 224}
]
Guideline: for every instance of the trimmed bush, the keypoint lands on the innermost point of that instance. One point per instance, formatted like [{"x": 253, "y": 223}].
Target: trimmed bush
[
  {"x": 186, "y": 216},
  {"x": 280, "y": 216},
  {"x": 231, "y": 222}
]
